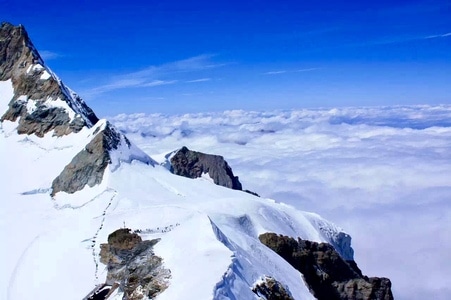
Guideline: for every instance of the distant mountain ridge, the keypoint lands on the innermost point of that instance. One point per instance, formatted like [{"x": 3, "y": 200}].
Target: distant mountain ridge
[{"x": 206, "y": 237}]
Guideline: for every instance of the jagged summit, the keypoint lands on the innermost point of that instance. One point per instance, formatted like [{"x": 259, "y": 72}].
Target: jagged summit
[
  {"x": 108, "y": 147},
  {"x": 193, "y": 164},
  {"x": 15, "y": 43},
  {"x": 41, "y": 101}
]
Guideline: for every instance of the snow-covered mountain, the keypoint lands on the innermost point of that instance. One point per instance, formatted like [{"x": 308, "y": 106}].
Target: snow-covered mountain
[{"x": 73, "y": 186}]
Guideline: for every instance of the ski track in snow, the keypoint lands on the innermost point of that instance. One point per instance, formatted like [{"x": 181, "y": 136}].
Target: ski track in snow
[
  {"x": 168, "y": 187},
  {"x": 12, "y": 278}
]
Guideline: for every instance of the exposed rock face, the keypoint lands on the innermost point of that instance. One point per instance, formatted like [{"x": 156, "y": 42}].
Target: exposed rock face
[
  {"x": 271, "y": 289},
  {"x": 42, "y": 120},
  {"x": 88, "y": 166},
  {"x": 131, "y": 262},
  {"x": 32, "y": 81},
  {"x": 365, "y": 288},
  {"x": 42, "y": 103},
  {"x": 193, "y": 164},
  {"x": 328, "y": 276},
  {"x": 15, "y": 51}
]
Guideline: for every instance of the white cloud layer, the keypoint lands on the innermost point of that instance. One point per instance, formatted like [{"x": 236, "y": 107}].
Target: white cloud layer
[{"x": 381, "y": 173}]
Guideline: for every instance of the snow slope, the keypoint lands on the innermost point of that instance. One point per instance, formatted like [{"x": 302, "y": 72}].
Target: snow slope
[
  {"x": 209, "y": 234},
  {"x": 50, "y": 243}
]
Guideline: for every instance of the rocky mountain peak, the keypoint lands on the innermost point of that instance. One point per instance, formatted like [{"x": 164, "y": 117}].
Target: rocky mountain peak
[
  {"x": 16, "y": 50},
  {"x": 41, "y": 102},
  {"x": 193, "y": 164},
  {"x": 133, "y": 265}
]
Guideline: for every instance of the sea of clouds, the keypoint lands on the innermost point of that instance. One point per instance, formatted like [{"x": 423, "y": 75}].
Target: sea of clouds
[{"x": 381, "y": 173}]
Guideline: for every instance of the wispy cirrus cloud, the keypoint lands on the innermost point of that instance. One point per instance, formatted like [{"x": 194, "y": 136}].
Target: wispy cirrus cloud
[
  {"x": 127, "y": 83},
  {"x": 448, "y": 34},
  {"x": 275, "y": 72},
  {"x": 50, "y": 55},
  {"x": 199, "y": 80},
  {"x": 305, "y": 70},
  {"x": 159, "y": 82},
  {"x": 290, "y": 71},
  {"x": 404, "y": 39},
  {"x": 158, "y": 75}
]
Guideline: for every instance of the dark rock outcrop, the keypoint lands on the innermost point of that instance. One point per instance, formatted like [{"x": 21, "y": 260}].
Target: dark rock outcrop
[
  {"x": 328, "y": 276},
  {"x": 193, "y": 164},
  {"x": 42, "y": 120},
  {"x": 88, "y": 166},
  {"x": 132, "y": 264},
  {"x": 271, "y": 289},
  {"x": 20, "y": 62}
]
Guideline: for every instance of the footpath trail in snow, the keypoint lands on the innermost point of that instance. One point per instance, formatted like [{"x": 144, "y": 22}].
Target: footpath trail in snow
[{"x": 95, "y": 254}]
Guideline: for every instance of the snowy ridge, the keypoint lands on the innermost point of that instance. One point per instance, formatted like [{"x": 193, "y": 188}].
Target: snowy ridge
[
  {"x": 247, "y": 268},
  {"x": 235, "y": 220},
  {"x": 76, "y": 102},
  {"x": 126, "y": 152},
  {"x": 216, "y": 241},
  {"x": 158, "y": 193},
  {"x": 333, "y": 234},
  {"x": 73, "y": 100},
  {"x": 73, "y": 103},
  {"x": 35, "y": 80}
]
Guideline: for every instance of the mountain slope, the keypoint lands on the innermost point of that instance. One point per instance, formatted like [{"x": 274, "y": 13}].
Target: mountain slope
[
  {"x": 41, "y": 100},
  {"x": 71, "y": 180},
  {"x": 41, "y": 103}
]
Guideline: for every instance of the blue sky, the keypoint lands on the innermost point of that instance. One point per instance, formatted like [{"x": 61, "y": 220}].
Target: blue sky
[{"x": 189, "y": 56}]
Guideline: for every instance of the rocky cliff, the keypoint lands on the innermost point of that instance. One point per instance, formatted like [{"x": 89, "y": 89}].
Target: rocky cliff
[
  {"x": 193, "y": 164},
  {"x": 132, "y": 264},
  {"x": 88, "y": 166},
  {"x": 42, "y": 104},
  {"x": 326, "y": 273},
  {"x": 271, "y": 289}
]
